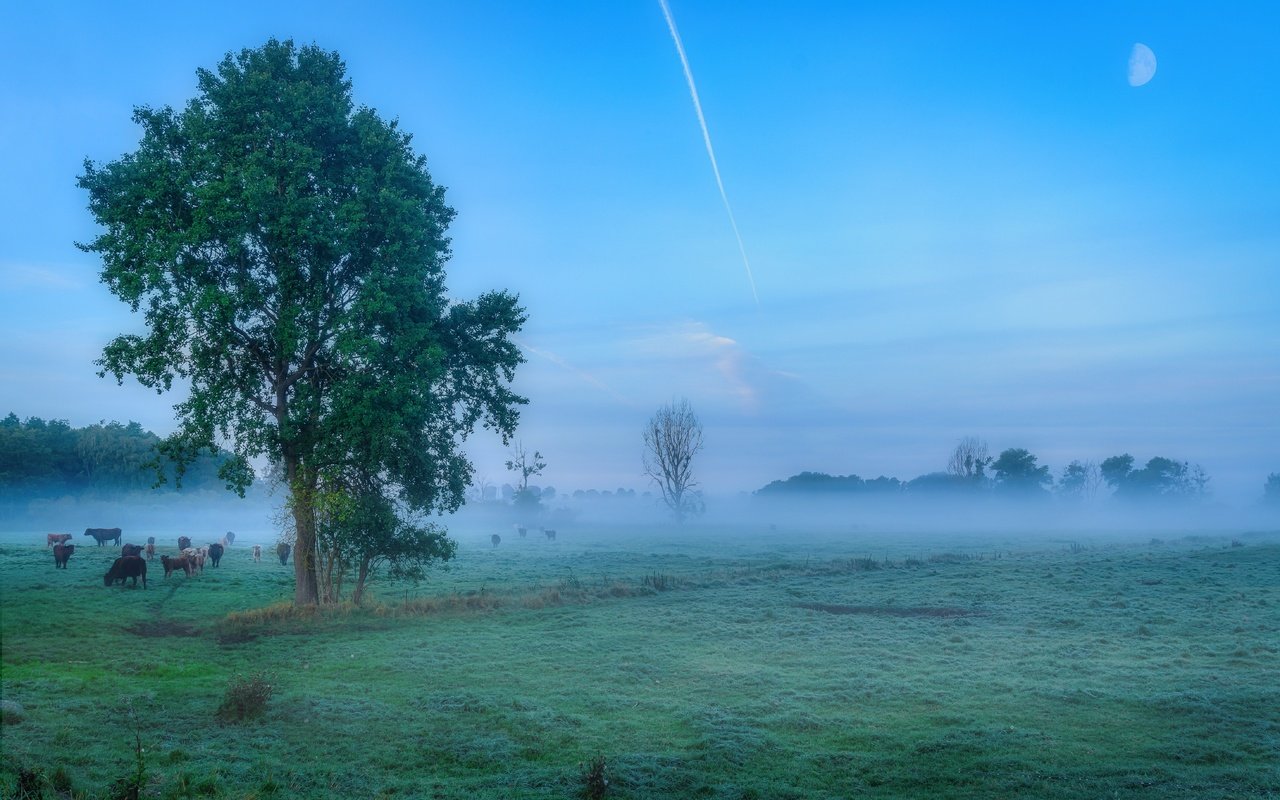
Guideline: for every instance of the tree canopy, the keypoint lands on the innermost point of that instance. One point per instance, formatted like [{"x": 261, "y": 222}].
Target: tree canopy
[{"x": 287, "y": 251}]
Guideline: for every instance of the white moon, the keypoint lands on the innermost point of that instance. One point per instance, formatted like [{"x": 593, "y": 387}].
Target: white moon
[{"x": 1142, "y": 64}]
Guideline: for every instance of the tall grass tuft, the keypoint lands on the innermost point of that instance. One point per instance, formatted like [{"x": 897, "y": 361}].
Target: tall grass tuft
[
  {"x": 595, "y": 780},
  {"x": 246, "y": 698}
]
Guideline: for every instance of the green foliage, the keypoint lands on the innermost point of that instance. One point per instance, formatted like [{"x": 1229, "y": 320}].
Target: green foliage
[
  {"x": 287, "y": 250},
  {"x": 1271, "y": 490},
  {"x": 40, "y": 457},
  {"x": 1161, "y": 478},
  {"x": 245, "y": 699},
  {"x": 820, "y": 483},
  {"x": 1016, "y": 471}
]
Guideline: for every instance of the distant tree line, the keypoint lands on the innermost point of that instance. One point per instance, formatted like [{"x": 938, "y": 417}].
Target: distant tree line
[
  {"x": 40, "y": 456},
  {"x": 1016, "y": 473}
]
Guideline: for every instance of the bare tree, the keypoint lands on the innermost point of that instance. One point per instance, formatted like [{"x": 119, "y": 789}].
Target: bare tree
[
  {"x": 672, "y": 437},
  {"x": 969, "y": 459},
  {"x": 526, "y": 464}
]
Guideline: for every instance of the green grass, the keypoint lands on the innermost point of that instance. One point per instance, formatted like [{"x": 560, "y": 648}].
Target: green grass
[{"x": 695, "y": 664}]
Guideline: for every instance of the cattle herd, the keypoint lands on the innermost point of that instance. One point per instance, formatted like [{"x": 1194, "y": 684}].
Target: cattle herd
[{"x": 132, "y": 563}]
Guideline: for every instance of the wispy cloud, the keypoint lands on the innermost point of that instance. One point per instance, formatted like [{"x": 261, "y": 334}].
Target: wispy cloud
[
  {"x": 745, "y": 379},
  {"x": 578, "y": 371},
  {"x": 706, "y": 137}
]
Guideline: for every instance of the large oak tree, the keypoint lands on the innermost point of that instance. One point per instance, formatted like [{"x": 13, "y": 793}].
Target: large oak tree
[{"x": 287, "y": 251}]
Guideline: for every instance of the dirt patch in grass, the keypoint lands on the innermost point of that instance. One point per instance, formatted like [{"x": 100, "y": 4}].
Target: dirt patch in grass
[
  {"x": 157, "y": 628},
  {"x": 893, "y": 611}
]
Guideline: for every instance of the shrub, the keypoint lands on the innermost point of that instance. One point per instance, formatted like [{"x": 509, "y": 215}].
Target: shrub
[{"x": 246, "y": 698}]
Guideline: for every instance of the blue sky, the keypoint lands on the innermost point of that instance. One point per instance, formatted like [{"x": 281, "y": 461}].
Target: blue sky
[{"x": 960, "y": 222}]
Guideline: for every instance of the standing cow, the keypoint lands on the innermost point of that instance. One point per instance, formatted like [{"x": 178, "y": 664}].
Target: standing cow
[
  {"x": 62, "y": 552},
  {"x": 215, "y": 553},
  {"x": 257, "y": 553},
  {"x": 495, "y": 539},
  {"x": 184, "y": 542},
  {"x": 131, "y": 550},
  {"x": 57, "y": 538},
  {"x": 282, "y": 550},
  {"x": 127, "y": 567},
  {"x": 104, "y": 535}
]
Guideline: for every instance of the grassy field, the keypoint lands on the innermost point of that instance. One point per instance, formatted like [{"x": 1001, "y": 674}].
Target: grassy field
[{"x": 695, "y": 663}]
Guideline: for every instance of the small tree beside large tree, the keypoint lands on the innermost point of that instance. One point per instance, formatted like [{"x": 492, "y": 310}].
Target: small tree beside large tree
[
  {"x": 287, "y": 250},
  {"x": 672, "y": 437}
]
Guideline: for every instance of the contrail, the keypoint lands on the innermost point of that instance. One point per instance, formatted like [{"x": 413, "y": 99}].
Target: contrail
[{"x": 706, "y": 137}]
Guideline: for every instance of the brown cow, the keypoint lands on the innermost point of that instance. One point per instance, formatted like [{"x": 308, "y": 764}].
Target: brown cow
[
  {"x": 61, "y": 552},
  {"x": 57, "y": 538},
  {"x": 173, "y": 564},
  {"x": 151, "y": 550},
  {"x": 282, "y": 550},
  {"x": 127, "y": 567},
  {"x": 131, "y": 550}
]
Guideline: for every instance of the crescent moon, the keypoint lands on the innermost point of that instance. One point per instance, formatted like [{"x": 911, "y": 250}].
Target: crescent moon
[{"x": 1142, "y": 64}]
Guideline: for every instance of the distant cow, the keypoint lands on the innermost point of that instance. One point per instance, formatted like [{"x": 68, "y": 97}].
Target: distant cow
[
  {"x": 522, "y": 530},
  {"x": 282, "y": 550},
  {"x": 151, "y": 549},
  {"x": 184, "y": 542},
  {"x": 104, "y": 535},
  {"x": 61, "y": 552},
  {"x": 127, "y": 567},
  {"x": 495, "y": 539},
  {"x": 551, "y": 535},
  {"x": 131, "y": 550},
  {"x": 228, "y": 540},
  {"x": 215, "y": 553},
  {"x": 57, "y": 538},
  {"x": 257, "y": 552},
  {"x": 172, "y": 565}
]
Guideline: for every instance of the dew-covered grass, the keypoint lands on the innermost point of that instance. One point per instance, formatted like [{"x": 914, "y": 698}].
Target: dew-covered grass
[{"x": 702, "y": 662}]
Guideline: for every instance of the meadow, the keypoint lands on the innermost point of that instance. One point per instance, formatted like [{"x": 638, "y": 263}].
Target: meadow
[{"x": 712, "y": 662}]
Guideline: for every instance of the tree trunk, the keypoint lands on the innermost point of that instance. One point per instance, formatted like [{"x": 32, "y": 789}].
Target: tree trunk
[
  {"x": 302, "y": 495},
  {"x": 357, "y": 596}
]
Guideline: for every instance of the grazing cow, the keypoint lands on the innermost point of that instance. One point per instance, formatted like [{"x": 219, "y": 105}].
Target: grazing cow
[
  {"x": 184, "y": 542},
  {"x": 57, "y": 538},
  {"x": 522, "y": 530},
  {"x": 104, "y": 535},
  {"x": 131, "y": 550},
  {"x": 282, "y": 550},
  {"x": 127, "y": 567},
  {"x": 495, "y": 539},
  {"x": 550, "y": 534},
  {"x": 215, "y": 553},
  {"x": 257, "y": 552},
  {"x": 151, "y": 550},
  {"x": 172, "y": 565},
  {"x": 61, "y": 552}
]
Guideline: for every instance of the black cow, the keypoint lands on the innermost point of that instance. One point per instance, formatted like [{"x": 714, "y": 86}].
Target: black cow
[
  {"x": 184, "y": 542},
  {"x": 131, "y": 550},
  {"x": 104, "y": 535},
  {"x": 215, "y": 553},
  {"x": 282, "y": 550},
  {"x": 127, "y": 567},
  {"x": 61, "y": 552},
  {"x": 495, "y": 539}
]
